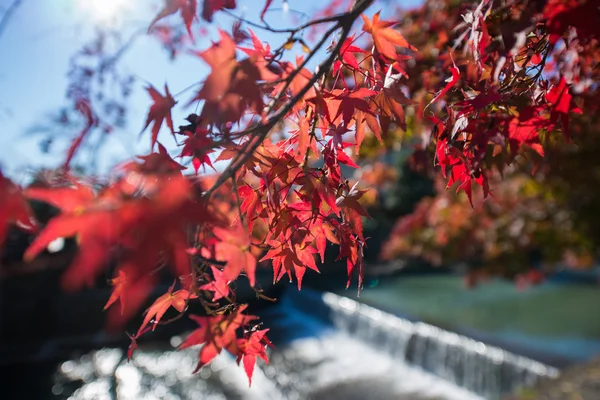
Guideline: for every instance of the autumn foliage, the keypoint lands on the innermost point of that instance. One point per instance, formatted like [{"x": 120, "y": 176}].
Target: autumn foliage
[{"x": 481, "y": 84}]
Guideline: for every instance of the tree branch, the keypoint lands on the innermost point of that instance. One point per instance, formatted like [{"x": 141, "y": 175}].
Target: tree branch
[{"x": 345, "y": 22}]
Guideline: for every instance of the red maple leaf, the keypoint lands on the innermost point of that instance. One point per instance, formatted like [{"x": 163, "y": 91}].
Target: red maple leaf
[
  {"x": 231, "y": 87},
  {"x": 111, "y": 219},
  {"x": 233, "y": 246},
  {"x": 249, "y": 349},
  {"x": 251, "y": 204},
  {"x": 461, "y": 173},
  {"x": 198, "y": 146},
  {"x": 345, "y": 103},
  {"x": 219, "y": 285},
  {"x": 265, "y": 9},
  {"x": 451, "y": 82},
  {"x": 187, "y": 9},
  {"x": 525, "y": 129},
  {"x": 387, "y": 105},
  {"x": 118, "y": 284},
  {"x": 260, "y": 50},
  {"x": 292, "y": 256},
  {"x": 562, "y": 14},
  {"x": 347, "y": 57},
  {"x": 384, "y": 36},
  {"x": 154, "y": 163},
  {"x": 212, "y": 6},
  {"x": 131, "y": 289},
  {"x": 159, "y": 111},
  {"x": 561, "y": 101},
  {"x": 216, "y": 333},
  {"x": 297, "y": 84},
  {"x": 14, "y": 210},
  {"x": 88, "y": 217},
  {"x": 353, "y": 210},
  {"x": 177, "y": 300}
]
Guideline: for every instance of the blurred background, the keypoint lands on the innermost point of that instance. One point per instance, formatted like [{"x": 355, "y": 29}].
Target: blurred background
[{"x": 460, "y": 302}]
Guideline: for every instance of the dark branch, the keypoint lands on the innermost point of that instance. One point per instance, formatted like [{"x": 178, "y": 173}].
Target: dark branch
[{"x": 345, "y": 22}]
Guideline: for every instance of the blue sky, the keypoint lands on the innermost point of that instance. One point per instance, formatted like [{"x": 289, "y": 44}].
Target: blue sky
[{"x": 41, "y": 36}]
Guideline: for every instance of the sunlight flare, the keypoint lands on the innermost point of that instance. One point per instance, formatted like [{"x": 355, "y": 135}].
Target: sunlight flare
[{"x": 103, "y": 11}]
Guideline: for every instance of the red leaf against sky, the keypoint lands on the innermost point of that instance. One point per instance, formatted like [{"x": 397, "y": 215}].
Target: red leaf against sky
[
  {"x": 219, "y": 285},
  {"x": 187, "y": 9},
  {"x": 198, "y": 146},
  {"x": 85, "y": 109},
  {"x": 155, "y": 163},
  {"x": 211, "y": 6},
  {"x": 385, "y": 37},
  {"x": 265, "y": 9},
  {"x": 231, "y": 87},
  {"x": 347, "y": 56},
  {"x": 159, "y": 111},
  {"x": 344, "y": 103},
  {"x": 260, "y": 50},
  {"x": 298, "y": 83}
]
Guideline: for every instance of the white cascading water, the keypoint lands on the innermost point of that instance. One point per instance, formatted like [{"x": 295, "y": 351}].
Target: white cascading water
[
  {"x": 366, "y": 354},
  {"x": 486, "y": 370}
]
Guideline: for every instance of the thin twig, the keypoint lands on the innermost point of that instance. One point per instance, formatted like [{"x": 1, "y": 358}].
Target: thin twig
[
  {"x": 10, "y": 11},
  {"x": 265, "y": 26}
]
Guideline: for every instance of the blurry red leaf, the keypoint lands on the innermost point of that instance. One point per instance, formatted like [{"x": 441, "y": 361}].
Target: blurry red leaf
[
  {"x": 212, "y": 6},
  {"x": 187, "y": 9},
  {"x": 384, "y": 36}
]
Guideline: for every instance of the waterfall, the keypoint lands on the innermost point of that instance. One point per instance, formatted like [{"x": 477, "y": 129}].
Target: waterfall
[
  {"x": 329, "y": 347},
  {"x": 482, "y": 369}
]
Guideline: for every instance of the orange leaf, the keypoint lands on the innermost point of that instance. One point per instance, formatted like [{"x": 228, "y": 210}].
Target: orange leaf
[
  {"x": 384, "y": 36},
  {"x": 160, "y": 306},
  {"x": 234, "y": 247}
]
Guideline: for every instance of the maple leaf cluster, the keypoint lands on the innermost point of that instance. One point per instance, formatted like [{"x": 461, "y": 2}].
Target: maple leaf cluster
[
  {"x": 506, "y": 102},
  {"x": 288, "y": 135}
]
